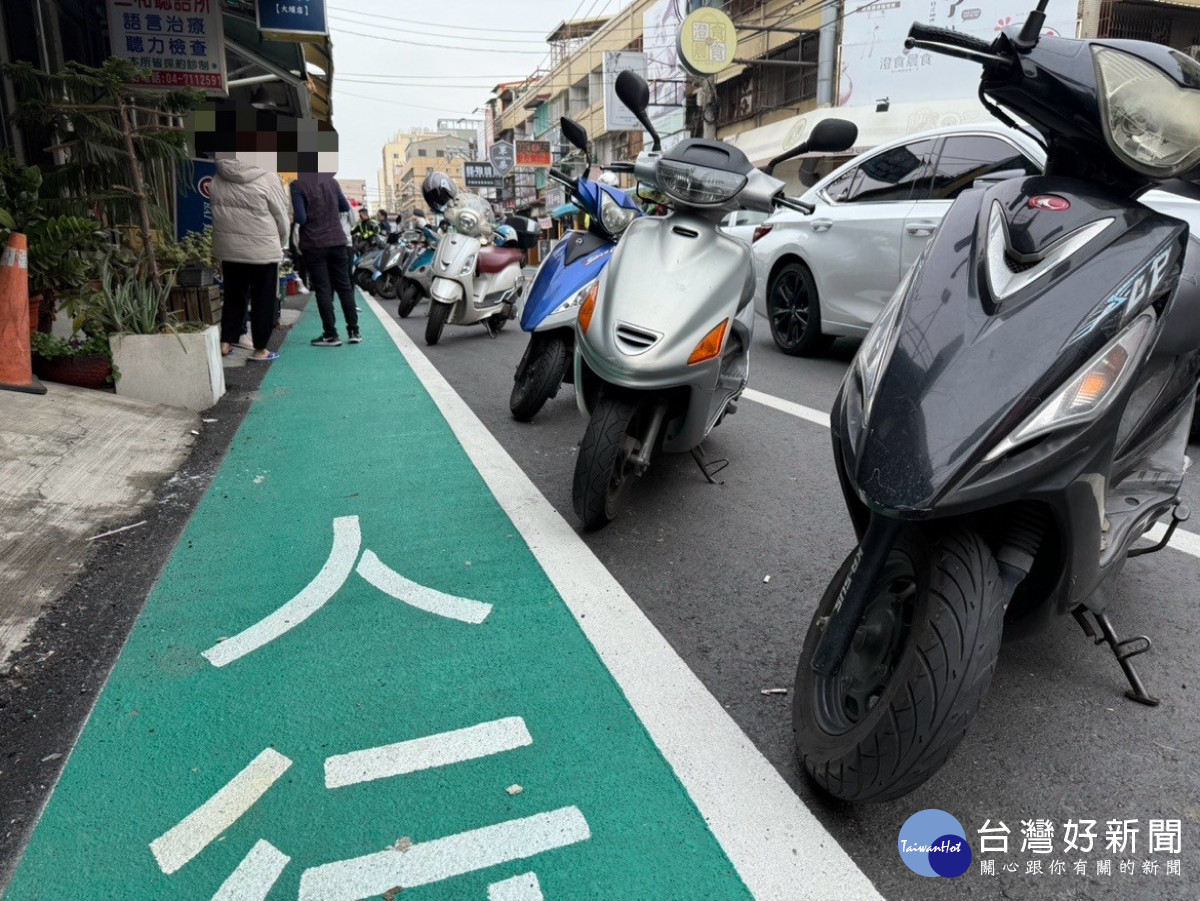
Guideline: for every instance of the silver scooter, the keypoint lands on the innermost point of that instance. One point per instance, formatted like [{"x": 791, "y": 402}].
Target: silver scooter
[
  {"x": 663, "y": 340},
  {"x": 473, "y": 282}
]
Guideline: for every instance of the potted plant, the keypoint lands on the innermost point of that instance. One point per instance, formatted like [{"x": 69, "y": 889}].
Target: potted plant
[
  {"x": 81, "y": 361},
  {"x": 169, "y": 362}
]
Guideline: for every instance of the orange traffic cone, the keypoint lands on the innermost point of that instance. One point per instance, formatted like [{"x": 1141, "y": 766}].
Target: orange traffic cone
[{"x": 16, "y": 369}]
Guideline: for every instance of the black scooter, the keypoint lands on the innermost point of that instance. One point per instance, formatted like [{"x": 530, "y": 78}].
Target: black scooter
[{"x": 1018, "y": 417}]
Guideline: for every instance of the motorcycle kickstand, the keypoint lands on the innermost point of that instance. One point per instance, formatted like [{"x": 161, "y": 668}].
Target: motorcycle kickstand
[
  {"x": 709, "y": 469},
  {"x": 1123, "y": 650}
]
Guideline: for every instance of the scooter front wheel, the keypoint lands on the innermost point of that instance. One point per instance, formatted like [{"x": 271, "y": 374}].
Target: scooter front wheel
[
  {"x": 438, "y": 314},
  {"x": 604, "y": 465},
  {"x": 539, "y": 380},
  {"x": 916, "y": 671}
]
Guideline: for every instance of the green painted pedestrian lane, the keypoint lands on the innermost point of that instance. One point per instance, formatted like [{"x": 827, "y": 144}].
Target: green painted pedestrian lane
[{"x": 352, "y": 677}]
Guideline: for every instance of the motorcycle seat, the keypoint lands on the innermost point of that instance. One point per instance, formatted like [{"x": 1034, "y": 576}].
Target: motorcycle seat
[{"x": 495, "y": 259}]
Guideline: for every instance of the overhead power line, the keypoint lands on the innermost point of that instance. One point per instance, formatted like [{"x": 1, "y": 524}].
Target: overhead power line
[
  {"x": 355, "y": 12},
  {"x": 389, "y": 30}
]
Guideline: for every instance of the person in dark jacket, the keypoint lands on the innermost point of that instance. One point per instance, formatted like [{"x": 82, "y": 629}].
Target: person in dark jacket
[{"x": 318, "y": 203}]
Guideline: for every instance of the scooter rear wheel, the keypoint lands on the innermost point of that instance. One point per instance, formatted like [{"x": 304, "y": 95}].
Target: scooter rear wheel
[
  {"x": 916, "y": 672},
  {"x": 540, "y": 380},
  {"x": 409, "y": 295},
  {"x": 603, "y": 467},
  {"x": 388, "y": 286},
  {"x": 438, "y": 314}
]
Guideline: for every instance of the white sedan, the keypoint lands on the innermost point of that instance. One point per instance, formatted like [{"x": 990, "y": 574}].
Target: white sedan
[{"x": 829, "y": 274}]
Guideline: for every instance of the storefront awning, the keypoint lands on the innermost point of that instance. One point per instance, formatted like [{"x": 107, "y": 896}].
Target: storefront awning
[
  {"x": 902, "y": 119},
  {"x": 564, "y": 210}
]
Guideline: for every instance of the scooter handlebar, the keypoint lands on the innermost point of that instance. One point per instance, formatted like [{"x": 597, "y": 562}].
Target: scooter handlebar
[
  {"x": 799, "y": 206},
  {"x": 932, "y": 34},
  {"x": 562, "y": 178}
]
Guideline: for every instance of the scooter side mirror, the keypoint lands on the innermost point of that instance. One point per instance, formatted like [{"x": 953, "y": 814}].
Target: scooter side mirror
[
  {"x": 574, "y": 132},
  {"x": 828, "y": 136},
  {"x": 633, "y": 91}
]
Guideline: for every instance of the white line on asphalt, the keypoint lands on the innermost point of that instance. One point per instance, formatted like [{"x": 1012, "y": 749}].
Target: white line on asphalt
[
  {"x": 427, "y": 752},
  {"x": 1182, "y": 540},
  {"x": 430, "y": 600},
  {"x": 786, "y": 406},
  {"x": 347, "y": 539},
  {"x": 443, "y": 858},
  {"x": 779, "y": 848},
  {"x": 520, "y": 888},
  {"x": 255, "y": 875},
  {"x": 197, "y": 830}
]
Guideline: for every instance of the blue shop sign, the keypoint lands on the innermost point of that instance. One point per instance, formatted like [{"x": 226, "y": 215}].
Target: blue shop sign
[
  {"x": 192, "y": 206},
  {"x": 305, "y": 17}
]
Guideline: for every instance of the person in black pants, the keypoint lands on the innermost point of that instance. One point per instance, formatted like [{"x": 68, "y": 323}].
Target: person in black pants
[
  {"x": 318, "y": 203},
  {"x": 255, "y": 285}
]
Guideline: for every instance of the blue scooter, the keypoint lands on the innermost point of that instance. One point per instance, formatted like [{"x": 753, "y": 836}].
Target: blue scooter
[
  {"x": 418, "y": 276},
  {"x": 564, "y": 280}
]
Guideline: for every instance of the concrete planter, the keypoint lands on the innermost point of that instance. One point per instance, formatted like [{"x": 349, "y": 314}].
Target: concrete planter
[{"x": 157, "y": 369}]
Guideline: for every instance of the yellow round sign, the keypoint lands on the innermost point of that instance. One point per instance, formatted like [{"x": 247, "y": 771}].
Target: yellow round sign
[{"x": 707, "y": 41}]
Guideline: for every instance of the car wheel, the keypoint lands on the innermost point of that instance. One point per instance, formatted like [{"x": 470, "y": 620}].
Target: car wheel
[{"x": 794, "y": 312}]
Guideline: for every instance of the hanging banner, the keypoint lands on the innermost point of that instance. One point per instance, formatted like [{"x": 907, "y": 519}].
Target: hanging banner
[
  {"x": 534, "y": 154},
  {"x": 617, "y": 116},
  {"x": 181, "y": 45},
  {"x": 875, "y": 65},
  {"x": 666, "y": 77},
  {"x": 288, "y": 20}
]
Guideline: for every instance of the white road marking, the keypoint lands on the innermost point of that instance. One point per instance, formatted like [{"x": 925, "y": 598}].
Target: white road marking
[
  {"x": 427, "y": 752},
  {"x": 198, "y": 829},
  {"x": 408, "y": 592},
  {"x": 780, "y": 850},
  {"x": 520, "y": 888},
  {"x": 1182, "y": 540},
  {"x": 347, "y": 539},
  {"x": 255, "y": 875},
  {"x": 786, "y": 406},
  {"x": 444, "y": 858}
]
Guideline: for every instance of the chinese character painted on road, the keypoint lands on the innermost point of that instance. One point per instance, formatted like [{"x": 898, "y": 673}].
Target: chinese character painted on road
[
  {"x": 1121, "y": 835},
  {"x": 1074, "y": 833},
  {"x": 1128, "y": 867},
  {"x": 993, "y": 839},
  {"x": 987, "y": 867},
  {"x": 1149, "y": 867},
  {"x": 1038, "y": 836},
  {"x": 1104, "y": 868},
  {"x": 1081, "y": 868},
  {"x": 1174, "y": 867},
  {"x": 1165, "y": 836},
  {"x": 1058, "y": 867},
  {"x": 1033, "y": 868}
]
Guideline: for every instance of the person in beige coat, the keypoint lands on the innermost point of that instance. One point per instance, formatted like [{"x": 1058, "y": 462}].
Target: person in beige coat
[{"x": 251, "y": 220}]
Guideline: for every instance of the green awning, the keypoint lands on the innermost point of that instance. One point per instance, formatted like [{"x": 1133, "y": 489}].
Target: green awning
[{"x": 565, "y": 210}]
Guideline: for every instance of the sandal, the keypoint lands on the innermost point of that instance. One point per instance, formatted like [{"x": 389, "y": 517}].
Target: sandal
[
  {"x": 267, "y": 359},
  {"x": 226, "y": 349}
]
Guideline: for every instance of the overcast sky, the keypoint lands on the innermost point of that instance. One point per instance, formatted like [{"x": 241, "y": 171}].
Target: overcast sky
[{"x": 381, "y": 85}]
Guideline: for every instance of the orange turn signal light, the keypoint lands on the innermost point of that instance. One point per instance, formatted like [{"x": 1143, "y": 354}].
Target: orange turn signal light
[
  {"x": 588, "y": 308},
  {"x": 711, "y": 344}
]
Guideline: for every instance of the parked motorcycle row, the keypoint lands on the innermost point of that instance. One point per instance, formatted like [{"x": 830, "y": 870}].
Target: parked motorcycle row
[{"x": 1013, "y": 425}]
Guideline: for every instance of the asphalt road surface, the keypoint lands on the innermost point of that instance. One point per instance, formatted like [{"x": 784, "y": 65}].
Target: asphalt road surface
[{"x": 1055, "y": 740}]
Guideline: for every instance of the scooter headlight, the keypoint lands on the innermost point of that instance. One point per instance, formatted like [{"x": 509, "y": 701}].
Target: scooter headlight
[
  {"x": 614, "y": 217},
  {"x": 577, "y": 298},
  {"x": 1151, "y": 123},
  {"x": 877, "y": 347},
  {"x": 1091, "y": 391},
  {"x": 698, "y": 185},
  {"x": 467, "y": 222}
]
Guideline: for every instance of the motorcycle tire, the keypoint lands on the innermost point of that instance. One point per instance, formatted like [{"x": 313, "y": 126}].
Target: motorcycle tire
[
  {"x": 916, "y": 672},
  {"x": 364, "y": 281},
  {"x": 542, "y": 376},
  {"x": 409, "y": 295},
  {"x": 438, "y": 314},
  {"x": 388, "y": 286},
  {"x": 602, "y": 469},
  {"x": 497, "y": 322}
]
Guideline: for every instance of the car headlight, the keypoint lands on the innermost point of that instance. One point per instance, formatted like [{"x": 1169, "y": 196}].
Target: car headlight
[
  {"x": 1151, "y": 123},
  {"x": 698, "y": 185},
  {"x": 468, "y": 267},
  {"x": 575, "y": 299},
  {"x": 1091, "y": 391},
  {"x": 877, "y": 347},
  {"x": 614, "y": 217}
]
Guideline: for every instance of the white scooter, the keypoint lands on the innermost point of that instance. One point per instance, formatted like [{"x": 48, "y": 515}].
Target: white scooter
[
  {"x": 473, "y": 282},
  {"x": 662, "y": 340}
]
